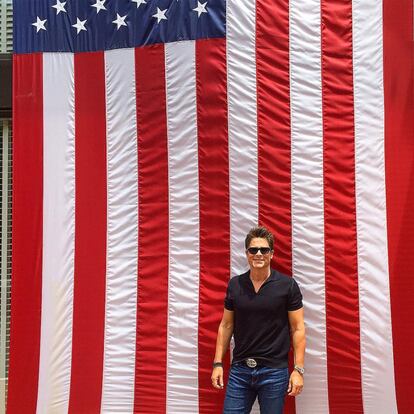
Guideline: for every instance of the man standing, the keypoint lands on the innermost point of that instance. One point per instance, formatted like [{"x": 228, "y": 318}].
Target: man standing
[{"x": 262, "y": 308}]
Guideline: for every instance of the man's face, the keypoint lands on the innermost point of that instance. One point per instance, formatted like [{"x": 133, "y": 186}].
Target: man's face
[{"x": 259, "y": 260}]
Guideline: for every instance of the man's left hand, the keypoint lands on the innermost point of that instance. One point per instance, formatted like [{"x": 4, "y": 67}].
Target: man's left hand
[{"x": 295, "y": 384}]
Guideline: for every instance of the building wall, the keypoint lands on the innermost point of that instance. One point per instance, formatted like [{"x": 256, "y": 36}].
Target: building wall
[{"x": 6, "y": 47}]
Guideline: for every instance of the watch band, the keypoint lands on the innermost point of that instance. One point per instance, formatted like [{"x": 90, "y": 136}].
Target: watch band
[
  {"x": 299, "y": 369},
  {"x": 217, "y": 364}
]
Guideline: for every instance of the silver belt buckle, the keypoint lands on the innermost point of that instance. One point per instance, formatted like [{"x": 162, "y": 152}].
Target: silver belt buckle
[{"x": 251, "y": 363}]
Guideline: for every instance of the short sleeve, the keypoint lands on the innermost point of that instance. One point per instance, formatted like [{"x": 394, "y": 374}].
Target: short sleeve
[
  {"x": 228, "y": 301},
  {"x": 295, "y": 297}
]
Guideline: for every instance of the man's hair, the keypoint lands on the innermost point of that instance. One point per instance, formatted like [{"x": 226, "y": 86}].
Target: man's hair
[{"x": 261, "y": 232}]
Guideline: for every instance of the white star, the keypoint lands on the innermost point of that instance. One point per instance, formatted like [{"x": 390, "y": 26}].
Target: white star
[
  {"x": 139, "y": 2},
  {"x": 39, "y": 24},
  {"x": 80, "y": 25},
  {"x": 160, "y": 15},
  {"x": 201, "y": 8},
  {"x": 59, "y": 6},
  {"x": 99, "y": 5},
  {"x": 119, "y": 21}
]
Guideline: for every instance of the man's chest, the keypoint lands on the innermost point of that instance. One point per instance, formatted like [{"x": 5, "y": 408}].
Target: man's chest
[{"x": 268, "y": 299}]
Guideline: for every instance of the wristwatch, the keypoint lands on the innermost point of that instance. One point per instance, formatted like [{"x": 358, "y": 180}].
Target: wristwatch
[
  {"x": 217, "y": 364},
  {"x": 301, "y": 370}
]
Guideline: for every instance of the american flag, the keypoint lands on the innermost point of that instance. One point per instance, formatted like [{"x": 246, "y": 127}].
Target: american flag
[{"x": 149, "y": 137}]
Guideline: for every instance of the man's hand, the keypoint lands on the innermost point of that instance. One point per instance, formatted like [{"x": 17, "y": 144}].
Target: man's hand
[
  {"x": 217, "y": 378},
  {"x": 295, "y": 384}
]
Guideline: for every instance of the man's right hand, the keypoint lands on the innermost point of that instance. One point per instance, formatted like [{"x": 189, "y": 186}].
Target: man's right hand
[{"x": 217, "y": 378}]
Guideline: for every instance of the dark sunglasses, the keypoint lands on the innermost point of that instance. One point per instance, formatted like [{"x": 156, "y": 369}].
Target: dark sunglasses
[{"x": 262, "y": 250}]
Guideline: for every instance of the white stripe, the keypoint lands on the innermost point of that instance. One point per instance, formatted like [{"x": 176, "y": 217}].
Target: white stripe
[
  {"x": 377, "y": 367},
  {"x": 242, "y": 119},
  {"x": 242, "y": 129},
  {"x": 58, "y": 234},
  {"x": 122, "y": 237},
  {"x": 182, "y": 340},
  {"x": 307, "y": 194}
]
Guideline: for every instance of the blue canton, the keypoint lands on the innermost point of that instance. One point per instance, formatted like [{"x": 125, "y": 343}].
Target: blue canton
[{"x": 93, "y": 25}]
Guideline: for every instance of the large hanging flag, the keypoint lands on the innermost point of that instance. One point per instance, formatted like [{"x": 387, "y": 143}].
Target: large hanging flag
[{"x": 149, "y": 137}]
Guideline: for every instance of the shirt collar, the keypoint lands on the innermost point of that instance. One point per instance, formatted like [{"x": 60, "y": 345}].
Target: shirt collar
[{"x": 274, "y": 275}]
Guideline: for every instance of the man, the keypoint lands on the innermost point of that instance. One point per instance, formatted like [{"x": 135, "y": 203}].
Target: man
[{"x": 262, "y": 309}]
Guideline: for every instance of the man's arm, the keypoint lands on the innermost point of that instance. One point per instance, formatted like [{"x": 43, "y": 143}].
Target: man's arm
[
  {"x": 297, "y": 329},
  {"x": 224, "y": 335}
]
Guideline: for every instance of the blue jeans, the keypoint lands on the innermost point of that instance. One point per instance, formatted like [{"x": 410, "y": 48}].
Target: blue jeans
[{"x": 245, "y": 384}]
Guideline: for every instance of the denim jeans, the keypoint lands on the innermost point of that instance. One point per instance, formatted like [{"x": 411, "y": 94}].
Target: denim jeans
[{"x": 245, "y": 384}]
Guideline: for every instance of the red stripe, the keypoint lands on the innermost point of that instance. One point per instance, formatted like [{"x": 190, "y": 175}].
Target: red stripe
[
  {"x": 342, "y": 305},
  {"x": 399, "y": 161},
  {"x": 273, "y": 107},
  {"x": 27, "y": 233},
  {"x": 214, "y": 209},
  {"x": 273, "y": 118},
  {"x": 152, "y": 311},
  {"x": 90, "y": 235}
]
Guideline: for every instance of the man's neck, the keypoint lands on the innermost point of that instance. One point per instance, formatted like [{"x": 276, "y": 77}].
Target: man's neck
[{"x": 259, "y": 275}]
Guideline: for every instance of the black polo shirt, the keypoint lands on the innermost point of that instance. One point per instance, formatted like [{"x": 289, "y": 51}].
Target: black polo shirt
[{"x": 261, "y": 326}]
